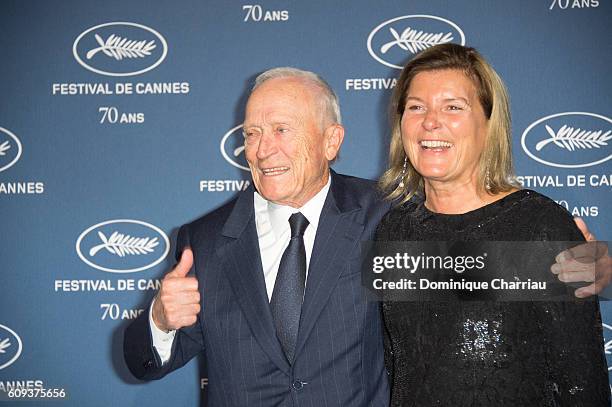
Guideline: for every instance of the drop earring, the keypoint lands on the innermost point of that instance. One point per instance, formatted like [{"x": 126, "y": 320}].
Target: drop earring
[{"x": 401, "y": 184}]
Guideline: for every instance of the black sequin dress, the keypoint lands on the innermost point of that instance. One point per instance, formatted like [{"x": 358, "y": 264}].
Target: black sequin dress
[{"x": 476, "y": 353}]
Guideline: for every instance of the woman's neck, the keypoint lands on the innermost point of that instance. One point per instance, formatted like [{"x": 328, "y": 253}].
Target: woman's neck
[{"x": 452, "y": 199}]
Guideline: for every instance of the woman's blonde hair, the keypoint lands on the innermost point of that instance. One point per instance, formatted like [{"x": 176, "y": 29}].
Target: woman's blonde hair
[{"x": 496, "y": 172}]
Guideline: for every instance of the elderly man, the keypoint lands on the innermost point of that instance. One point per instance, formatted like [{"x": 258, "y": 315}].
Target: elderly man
[{"x": 276, "y": 303}]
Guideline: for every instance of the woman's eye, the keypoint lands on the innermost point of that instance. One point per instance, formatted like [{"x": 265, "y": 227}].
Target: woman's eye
[
  {"x": 455, "y": 107},
  {"x": 415, "y": 108},
  {"x": 282, "y": 130}
]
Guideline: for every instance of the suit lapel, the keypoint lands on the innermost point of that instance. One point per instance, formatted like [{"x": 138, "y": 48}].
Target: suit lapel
[
  {"x": 338, "y": 233},
  {"x": 242, "y": 263}
]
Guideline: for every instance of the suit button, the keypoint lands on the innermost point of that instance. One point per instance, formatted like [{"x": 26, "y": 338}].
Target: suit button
[
  {"x": 148, "y": 364},
  {"x": 297, "y": 385}
]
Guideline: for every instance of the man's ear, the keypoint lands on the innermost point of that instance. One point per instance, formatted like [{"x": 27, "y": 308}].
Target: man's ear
[{"x": 333, "y": 137}]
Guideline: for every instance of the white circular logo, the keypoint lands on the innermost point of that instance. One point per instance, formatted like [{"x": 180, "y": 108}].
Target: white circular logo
[
  {"x": 10, "y": 346},
  {"x": 123, "y": 246},
  {"x": 608, "y": 342},
  {"x": 232, "y": 148},
  {"x": 569, "y": 140},
  {"x": 10, "y": 149},
  {"x": 399, "y": 38},
  {"x": 120, "y": 49}
]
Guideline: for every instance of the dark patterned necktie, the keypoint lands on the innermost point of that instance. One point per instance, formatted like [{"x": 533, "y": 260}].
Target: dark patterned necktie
[{"x": 288, "y": 293}]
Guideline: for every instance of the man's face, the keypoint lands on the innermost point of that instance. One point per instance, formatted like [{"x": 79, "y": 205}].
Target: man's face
[{"x": 286, "y": 145}]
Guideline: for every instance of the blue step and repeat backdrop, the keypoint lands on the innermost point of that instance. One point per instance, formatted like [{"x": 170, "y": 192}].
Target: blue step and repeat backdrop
[{"x": 120, "y": 121}]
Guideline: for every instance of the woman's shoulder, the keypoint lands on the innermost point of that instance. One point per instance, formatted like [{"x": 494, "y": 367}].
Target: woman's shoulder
[
  {"x": 536, "y": 203},
  {"x": 549, "y": 220},
  {"x": 398, "y": 220}
]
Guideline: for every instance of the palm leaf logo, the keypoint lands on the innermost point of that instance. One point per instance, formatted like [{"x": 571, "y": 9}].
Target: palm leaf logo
[
  {"x": 4, "y": 344},
  {"x": 571, "y": 139},
  {"x": 122, "y": 245},
  {"x": 4, "y": 147},
  {"x": 119, "y": 48},
  {"x": 415, "y": 41}
]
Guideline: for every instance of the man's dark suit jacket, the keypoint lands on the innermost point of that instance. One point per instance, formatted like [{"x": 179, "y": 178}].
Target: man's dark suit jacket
[{"x": 339, "y": 350}]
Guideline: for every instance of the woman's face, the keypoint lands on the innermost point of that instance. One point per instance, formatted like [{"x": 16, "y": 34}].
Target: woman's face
[{"x": 444, "y": 127}]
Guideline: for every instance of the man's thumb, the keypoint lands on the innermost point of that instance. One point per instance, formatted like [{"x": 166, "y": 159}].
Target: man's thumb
[{"x": 185, "y": 264}]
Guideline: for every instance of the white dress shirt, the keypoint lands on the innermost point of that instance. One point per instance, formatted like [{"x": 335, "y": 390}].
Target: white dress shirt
[{"x": 273, "y": 234}]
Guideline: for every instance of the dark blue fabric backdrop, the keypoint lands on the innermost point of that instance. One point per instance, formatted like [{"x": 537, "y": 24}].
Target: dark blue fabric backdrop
[{"x": 118, "y": 123}]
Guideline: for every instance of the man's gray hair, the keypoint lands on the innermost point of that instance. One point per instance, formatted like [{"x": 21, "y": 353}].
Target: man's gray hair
[{"x": 331, "y": 106}]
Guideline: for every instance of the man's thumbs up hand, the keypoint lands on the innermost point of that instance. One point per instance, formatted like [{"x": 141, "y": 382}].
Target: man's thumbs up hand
[{"x": 177, "y": 303}]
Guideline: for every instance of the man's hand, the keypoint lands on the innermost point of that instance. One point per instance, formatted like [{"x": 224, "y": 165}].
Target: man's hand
[
  {"x": 177, "y": 303},
  {"x": 588, "y": 262}
]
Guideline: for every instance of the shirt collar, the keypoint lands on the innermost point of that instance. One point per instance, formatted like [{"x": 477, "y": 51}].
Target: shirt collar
[{"x": 279, "y": 214}]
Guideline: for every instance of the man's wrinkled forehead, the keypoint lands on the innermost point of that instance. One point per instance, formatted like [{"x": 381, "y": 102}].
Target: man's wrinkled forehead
[{"x": 278, "y": 97}]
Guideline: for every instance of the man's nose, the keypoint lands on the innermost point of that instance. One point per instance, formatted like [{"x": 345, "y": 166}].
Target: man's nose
[
  {"x": 431, "y": 120},
  {"x": 267, "y": 145}
]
